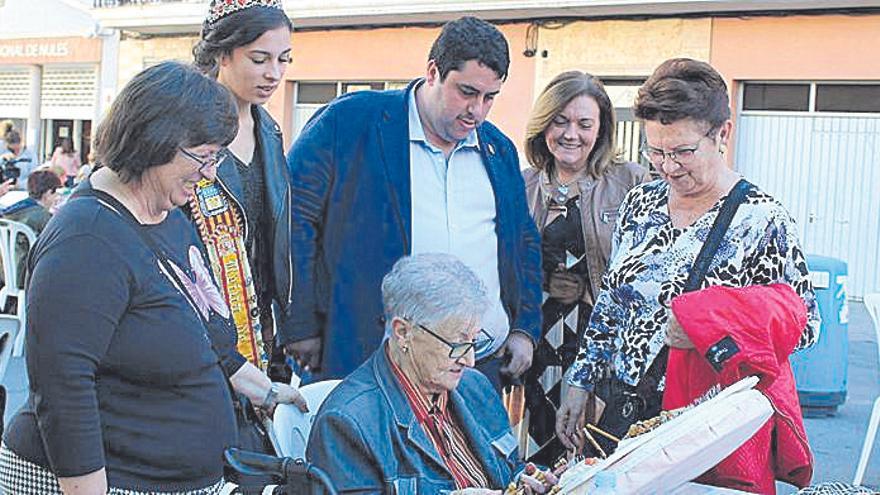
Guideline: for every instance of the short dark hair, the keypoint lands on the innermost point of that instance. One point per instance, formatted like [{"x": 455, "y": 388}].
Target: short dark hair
[
  {"x": 683, "y": 88},
  {"x": 470, "y": 38},
  {"x": 167, "y": 106},
  {"x": 234, "y": 30},
  {"x": 552, "y": 101},
  {"x": 40, "y": 182}
]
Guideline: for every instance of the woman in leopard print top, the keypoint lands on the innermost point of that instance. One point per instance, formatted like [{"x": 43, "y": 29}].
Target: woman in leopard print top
[{"x": 661, "y": 227}]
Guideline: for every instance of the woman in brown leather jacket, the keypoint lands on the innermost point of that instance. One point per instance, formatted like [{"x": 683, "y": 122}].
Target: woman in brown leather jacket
[{"x": 574, "y": 187}]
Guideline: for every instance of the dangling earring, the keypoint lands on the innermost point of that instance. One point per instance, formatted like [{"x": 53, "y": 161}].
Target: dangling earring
[{"x": 722, "y": 145}]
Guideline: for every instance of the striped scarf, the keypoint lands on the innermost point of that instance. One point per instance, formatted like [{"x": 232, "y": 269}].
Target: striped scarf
[{"x": 445, "y": 433}]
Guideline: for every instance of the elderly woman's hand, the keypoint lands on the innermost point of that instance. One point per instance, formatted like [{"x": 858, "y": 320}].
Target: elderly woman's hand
[
  {"x": 531, "y": 484},
  {"x": 675, "y": 336},
  {"x": 290, "y": 395},
  {"x": 570, "y": 417}
]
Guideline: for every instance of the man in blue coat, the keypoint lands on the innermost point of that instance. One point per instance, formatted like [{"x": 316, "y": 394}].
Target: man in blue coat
[{"x": 380, "y": 175}]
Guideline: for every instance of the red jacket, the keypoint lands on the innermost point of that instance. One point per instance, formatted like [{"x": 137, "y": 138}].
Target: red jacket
[{"x": 738, "y": 332}]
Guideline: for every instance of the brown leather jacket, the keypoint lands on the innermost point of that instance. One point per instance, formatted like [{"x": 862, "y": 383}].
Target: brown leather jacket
[{"x": 600, "y": 200}]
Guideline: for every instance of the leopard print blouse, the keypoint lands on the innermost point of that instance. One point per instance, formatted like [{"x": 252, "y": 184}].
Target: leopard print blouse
[{"x": 649, "y": 266}]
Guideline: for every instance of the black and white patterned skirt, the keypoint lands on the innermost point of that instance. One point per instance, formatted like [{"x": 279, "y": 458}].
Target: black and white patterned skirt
[{"x": 21, "y": 477}]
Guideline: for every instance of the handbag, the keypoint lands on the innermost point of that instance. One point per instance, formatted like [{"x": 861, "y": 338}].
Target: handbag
[
  {"x": 626, "y": 404},
  {"x": 252, "y": 435}
]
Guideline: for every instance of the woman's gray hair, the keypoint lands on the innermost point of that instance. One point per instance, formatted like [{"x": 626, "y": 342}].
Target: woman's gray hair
[{"x": 431, "y": 288}]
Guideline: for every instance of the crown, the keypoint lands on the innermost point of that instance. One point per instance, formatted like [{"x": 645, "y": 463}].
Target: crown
[{"x": 222, "y": 8}]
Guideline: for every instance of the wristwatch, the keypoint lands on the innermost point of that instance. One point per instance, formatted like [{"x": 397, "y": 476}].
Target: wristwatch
[{"x": 271, "y": 399}]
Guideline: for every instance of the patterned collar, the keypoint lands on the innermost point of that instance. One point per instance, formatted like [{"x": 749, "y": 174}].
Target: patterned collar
[{"x": 422, "y": 405}]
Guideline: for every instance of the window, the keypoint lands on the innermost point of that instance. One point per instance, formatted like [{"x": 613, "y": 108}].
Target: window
[
  {"x": 849, "y": 97},
  {"x": 352, "y": 87},
  {"x": 778, "y": 97},
  {"x": 311, "y": 96},
  {"x": 858, "y": 98},
  {"x": 315, "y": 92},
  {"x": 629, "y": 135}
]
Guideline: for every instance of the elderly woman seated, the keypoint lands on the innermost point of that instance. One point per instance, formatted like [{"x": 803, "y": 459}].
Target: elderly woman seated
[{"x": 416, "y": 417}]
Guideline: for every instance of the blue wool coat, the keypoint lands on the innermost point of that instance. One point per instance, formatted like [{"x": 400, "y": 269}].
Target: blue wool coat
[{"x": 351, "y": 216}]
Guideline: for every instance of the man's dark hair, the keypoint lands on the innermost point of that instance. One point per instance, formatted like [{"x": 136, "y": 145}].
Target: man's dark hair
[
  {"x": 165, "y": 107},
  {"x": 234, "y": 30},
  {"x": 683, "y": 88},
  {"x": 470, "y": 38},
  {"x": 42, "y": 181}
]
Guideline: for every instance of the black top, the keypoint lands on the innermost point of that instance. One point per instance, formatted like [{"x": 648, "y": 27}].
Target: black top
[
  {"x": 562, "y": 238},
  {"x": 254, "y": 203},
  {"x": 122, "y": 372}
]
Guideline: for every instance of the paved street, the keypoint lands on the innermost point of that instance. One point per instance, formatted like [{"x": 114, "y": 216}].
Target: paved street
[{"x": 836, "y": 441}]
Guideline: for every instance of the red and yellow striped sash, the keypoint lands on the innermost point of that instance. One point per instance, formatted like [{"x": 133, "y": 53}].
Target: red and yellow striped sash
[{"x": 220, "y": 226}]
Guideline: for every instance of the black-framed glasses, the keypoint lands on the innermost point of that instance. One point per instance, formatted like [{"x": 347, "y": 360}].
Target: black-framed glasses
[
  {"x": 682, "y": 155},
  {"x": 459, "y": 350},
  {"x": 204, "y": 163}
]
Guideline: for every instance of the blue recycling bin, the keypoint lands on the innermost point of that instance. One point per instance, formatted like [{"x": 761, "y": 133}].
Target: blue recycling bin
[{"x": 820, "y": 371}]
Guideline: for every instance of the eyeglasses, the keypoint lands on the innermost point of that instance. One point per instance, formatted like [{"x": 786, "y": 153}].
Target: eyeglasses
[
  {"x": 204, "y": 163},
  {"x": 459, "y": 350},
  {"x": 682, "y": 155}
]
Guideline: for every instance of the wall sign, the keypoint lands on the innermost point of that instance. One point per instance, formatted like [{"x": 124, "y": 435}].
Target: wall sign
[
  {"x": 35, "y": 51},
  {"x": 21, "y": 50}
]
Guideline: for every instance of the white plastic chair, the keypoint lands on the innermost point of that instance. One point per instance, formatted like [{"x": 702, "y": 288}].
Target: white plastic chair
[
  {"x": 9, "y": 329},
  {"x": 292, "y": 427},
  {"x": 9, "y": 233},
  {"x": 8, "y": 261},
  {"x": 872, "y": 302}
]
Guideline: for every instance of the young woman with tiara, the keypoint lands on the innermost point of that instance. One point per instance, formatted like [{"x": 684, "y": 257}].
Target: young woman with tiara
[{"x": 243, "y": 214}]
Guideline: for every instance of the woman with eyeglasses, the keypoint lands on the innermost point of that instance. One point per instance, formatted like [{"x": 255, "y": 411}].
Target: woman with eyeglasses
[
  {"x": 124, "y": 357},
  {"x": 574, "y": 188},
  {"x": 662, "y": 227},
  {"x": 416, "y": 417},
  {"x": 243, "y": 214}
]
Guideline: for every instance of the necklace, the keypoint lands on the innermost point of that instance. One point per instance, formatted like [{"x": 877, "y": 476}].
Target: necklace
[{"x": 561, "y": 196}]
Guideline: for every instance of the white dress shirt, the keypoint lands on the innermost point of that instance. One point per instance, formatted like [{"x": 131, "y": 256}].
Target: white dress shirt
[{"x": 453, "y": 211}]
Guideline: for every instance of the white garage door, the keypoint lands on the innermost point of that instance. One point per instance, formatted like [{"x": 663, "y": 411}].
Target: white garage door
[{"x": 825, "y": 168}]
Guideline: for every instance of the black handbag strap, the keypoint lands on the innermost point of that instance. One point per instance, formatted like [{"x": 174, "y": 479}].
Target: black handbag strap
[
  {"x": 116, "y": 206},
  {"x": 698, "y": 271},
  {"x": 158, "y": 252},
  {"x": 240, "y": 402},
  {"x": 716, "y": 235}
]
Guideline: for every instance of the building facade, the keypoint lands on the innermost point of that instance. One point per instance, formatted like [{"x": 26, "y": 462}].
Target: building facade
[
  {"x": 805, "y": 81},
  {"x": 57, "y": 72}
]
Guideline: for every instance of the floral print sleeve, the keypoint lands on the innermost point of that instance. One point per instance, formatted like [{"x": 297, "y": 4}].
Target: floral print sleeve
[
  {"x": 778, "y": 258},
  {"x": 650, "y": 263},
  {"x": 597, "y": 342}
]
